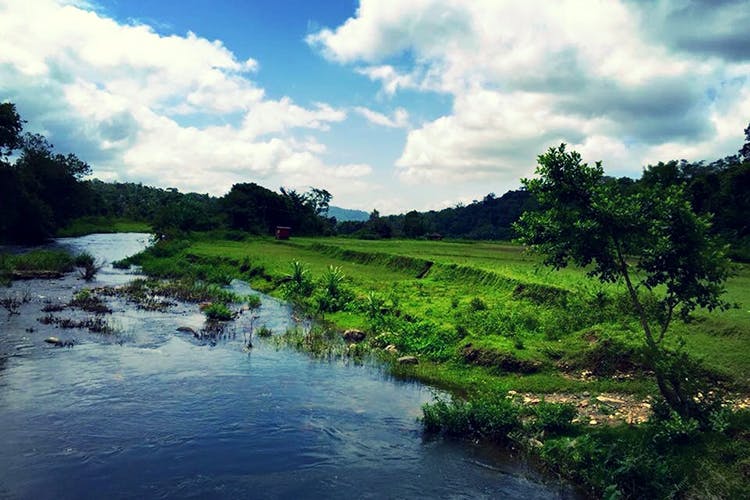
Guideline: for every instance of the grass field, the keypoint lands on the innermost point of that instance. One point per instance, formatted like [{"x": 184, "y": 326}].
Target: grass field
[
  {"x": 524, "y": 347},
  {"x": 494, "y": 296}
]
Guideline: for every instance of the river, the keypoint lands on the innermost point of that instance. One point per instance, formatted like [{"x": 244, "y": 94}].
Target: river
[{"x": 149, "y": 412}]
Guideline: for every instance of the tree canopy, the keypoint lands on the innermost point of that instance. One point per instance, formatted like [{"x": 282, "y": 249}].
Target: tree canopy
[{"x": 651, "y": 239}]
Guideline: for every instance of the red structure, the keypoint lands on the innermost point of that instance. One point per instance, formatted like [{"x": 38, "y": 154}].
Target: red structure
[{"x": 283, "y": 232}]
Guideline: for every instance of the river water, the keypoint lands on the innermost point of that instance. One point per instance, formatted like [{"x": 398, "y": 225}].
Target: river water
[{"x": 149, "y": 412}]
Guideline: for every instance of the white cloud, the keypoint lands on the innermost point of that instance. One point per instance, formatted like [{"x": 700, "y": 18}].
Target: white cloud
[
  {"x": 400, "y": 118},
  {"x": 527, "y": 75},
  {"x": 122, "y": 97}
]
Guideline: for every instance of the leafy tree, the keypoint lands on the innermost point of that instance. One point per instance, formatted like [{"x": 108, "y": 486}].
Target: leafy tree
[
  {"x": 53, "y": 178},
  {"x": 745, "y": 150},
  {"x": 319, "y": 200},
  {"x": 651, "y": 239},
  {"x": 377, "y": 227},
  {"x": 414, "y": 225},
  {"x": 10, "y": 129}
]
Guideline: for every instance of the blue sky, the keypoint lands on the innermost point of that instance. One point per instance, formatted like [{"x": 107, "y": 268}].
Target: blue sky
[{"x": 387, "y": 104}]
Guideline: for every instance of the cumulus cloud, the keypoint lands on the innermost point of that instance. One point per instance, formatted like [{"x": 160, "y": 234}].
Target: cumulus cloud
[
  {"x": 122, "y": 96},
  {"x": 400, "y": 118},
  {"x": 709, "y": 27},
  {"x": 626, "y": 80}
]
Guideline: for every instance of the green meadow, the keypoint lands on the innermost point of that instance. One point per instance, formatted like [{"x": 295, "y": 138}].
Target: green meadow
[
  {"x": 531, "y": 328},
  {"x": 548, "y": 362}
]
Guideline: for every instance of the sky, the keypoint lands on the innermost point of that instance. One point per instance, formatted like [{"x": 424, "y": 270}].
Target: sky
[{"x": 389, "y": 104}]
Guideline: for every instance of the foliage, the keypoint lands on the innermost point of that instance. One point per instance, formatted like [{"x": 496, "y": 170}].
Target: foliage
[
  {"x": 11, "y": 126},
  {"x": 42, "y": 190},
  {"x": 490, "y": 218},
  {"x": 745, "y": 150},
  {"x": 100, "y": 224},
  {"x": 264, "y": 332},
  {"x": 252, "y": 301},
  {"x": 298, "y": 282},
  {"x": 218, "y": 312},
  {"x": 489, "y": 418},
  {"x": 57, "y": 261},
  {"x": 253, "y": 208},
  {"x": 86, "y": 300},
  {"x": 553, "y": 418},
  {"x": 590, "y": 222},
  {"x": 87, "y": 266},
  {"x": 333, "y": 294}
]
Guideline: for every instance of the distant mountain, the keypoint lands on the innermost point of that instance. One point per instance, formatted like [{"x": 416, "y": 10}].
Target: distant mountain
[{"x": 345, "y": 214}]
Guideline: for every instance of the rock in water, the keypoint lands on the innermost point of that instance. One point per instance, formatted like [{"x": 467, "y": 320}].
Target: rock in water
[
  {"x": 354, "y": 335},
  {"x": 186, "y": 329},
  {"x": 54, "y": 341},
  {"x": 408, "y": 360}
]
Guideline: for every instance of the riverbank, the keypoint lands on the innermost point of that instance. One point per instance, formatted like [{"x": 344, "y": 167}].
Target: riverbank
[
  {"x": 222, "y": 419},
  {"x": 489, "y": 323},
  {"x": 100, "y": 225}
]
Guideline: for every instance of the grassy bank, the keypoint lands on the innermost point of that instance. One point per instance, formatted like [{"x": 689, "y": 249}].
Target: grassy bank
[
  {"x": 488, "y": 322},
  {"x": 37, "y": 263},
  {"x": 89, "y": 225}
]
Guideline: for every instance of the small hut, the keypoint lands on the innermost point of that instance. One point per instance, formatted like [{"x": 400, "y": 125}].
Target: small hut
[{"x": 283, "y": 232}]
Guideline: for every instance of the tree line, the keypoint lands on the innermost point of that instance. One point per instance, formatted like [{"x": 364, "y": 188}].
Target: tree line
[
  {"x": 42, "y": 191},
  {"x": 720, "y": 188}
]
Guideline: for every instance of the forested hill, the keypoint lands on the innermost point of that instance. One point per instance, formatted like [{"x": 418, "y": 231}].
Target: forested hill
[{"x": 488, "y": 219}]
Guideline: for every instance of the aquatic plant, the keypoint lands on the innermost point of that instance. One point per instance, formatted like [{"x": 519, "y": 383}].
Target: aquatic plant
[
  {"x": 218, "y": 312},
  {"x": 264, "y": 331},
  {"x": 488, "y": 417},
  {"x": 298, "y": 283},
  {"x": 333, "y": 295},
  {"x": 87, "y": 266},
  {"x": 252, "y": 301},
  {"x": 86, "y": 300},
  {"x": 12, "y": 302}
]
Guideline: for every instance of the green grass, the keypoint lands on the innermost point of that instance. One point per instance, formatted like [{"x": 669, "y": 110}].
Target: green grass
[
  {"x": 486, "y": 318},
  {"x": 56, "y": 261},
  {"x": 89, "y": 225},
  {"x": 532, "y": 314}
]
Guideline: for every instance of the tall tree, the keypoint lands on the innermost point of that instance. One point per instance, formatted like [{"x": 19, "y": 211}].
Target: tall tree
[
  {"x": 651, "y": 240},
  {"x": 10, "y": 129},
  {"x": 745, "y": 150}
]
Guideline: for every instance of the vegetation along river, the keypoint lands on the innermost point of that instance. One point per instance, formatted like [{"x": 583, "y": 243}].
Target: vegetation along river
[{"x": 148, "y": 411}]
